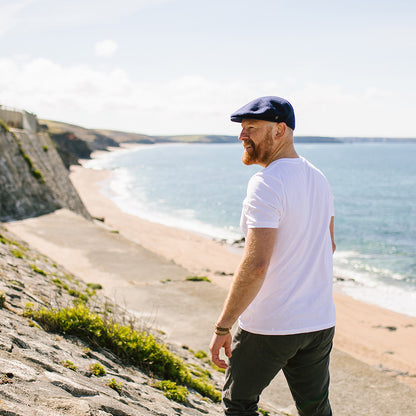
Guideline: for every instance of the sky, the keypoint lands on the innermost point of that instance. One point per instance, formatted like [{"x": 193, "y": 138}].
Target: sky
[{"x": 164, "y": 67}]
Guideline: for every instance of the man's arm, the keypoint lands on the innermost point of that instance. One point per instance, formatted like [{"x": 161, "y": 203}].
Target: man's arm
[
  {"x": 331, "y": 229},
  {"x": 247, "y": 282}
]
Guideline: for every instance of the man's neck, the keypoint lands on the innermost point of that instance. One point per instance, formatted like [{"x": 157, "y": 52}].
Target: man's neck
[{"x": 285, "y": 152}]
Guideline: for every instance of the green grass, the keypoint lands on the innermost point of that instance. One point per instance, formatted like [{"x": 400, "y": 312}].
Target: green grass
[
  {"x": 16, "y": 283},
  {"x": 34, "y": 325},
  {"x": 200, "y": 372},
  {"x": 79, "y": 295},
  {"x": 9, "y": 242},
  {"x": 94, "y": 286},
  {"x": 4, "y": 126},
  {"x": 137, "y": 348},
  {"x": 59, "y": 283},
  {"x": 84, "y": 297},
  {"x": 38, "y": 175},
  {"x": 87, "y": 351},
  {"x": 17, "y": 253},
  {"x": 69, "y": 364},
  {"x": 197, "y": 279},
  {"x": 118, "y": 387},
  {"x": 201, "y": 354},
  {"x": 35, "y": 172},
  {"x": 172, "y": 391},
  {"x": 37, "y": 270}
]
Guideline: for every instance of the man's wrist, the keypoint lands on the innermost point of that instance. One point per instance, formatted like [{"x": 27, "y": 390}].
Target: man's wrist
[{"x": 220, "y": 330}]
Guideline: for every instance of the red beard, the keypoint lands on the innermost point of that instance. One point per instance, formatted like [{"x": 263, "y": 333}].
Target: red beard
[
  {"x": 258, "y": 153},
  {"x": 249, "y": 156}
]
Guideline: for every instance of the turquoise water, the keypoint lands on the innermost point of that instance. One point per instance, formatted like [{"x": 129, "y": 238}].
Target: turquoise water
[{"x": 201, "y": 187}]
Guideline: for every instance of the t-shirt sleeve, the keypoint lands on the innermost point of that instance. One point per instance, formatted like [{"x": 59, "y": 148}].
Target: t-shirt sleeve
[{"x": 262, "y": 207}]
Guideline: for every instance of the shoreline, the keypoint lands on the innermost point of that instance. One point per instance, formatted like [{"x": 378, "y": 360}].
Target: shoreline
[
  {"x": 374, "y": 335},
  {"x": 192, "y": 226},
  {"x": 143, "y": 265},
  {"x": 395, "y": 298}
]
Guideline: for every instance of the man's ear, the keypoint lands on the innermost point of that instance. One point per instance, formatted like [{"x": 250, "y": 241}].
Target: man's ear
[{"x": 280, "y": 130}]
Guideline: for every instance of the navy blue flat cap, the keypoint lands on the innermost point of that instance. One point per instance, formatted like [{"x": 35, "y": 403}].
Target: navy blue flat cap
[{"x": 268, "y": 108}]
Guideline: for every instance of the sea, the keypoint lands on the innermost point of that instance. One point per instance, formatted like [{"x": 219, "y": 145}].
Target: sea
[{"x": 200, "y": 188}]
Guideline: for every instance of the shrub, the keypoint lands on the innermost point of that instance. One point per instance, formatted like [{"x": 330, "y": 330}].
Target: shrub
[
  {"x": 69, "y": 364},
  {"x": 115, "y": 385},
  {"x": 172, "y": 391},
  {"x": 97, "y": 369}
]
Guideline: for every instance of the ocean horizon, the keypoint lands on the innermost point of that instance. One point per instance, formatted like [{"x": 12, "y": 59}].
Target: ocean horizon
[{"x": 200, "y": 188}]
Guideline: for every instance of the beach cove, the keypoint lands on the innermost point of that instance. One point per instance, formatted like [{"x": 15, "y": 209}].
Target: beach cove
[{"x": 143, "y": 265}]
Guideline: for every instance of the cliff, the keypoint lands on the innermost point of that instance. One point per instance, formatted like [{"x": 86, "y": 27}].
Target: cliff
[{"x": 33, "y": 178}]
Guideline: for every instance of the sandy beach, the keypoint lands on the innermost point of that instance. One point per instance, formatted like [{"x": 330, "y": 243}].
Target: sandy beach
[{"x": 144, "y": 266}]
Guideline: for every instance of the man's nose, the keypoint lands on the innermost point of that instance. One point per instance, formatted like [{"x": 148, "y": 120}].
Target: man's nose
[{"x": 243, "y": 136}]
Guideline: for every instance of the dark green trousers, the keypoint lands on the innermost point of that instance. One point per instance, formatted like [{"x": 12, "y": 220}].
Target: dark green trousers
[{"x": 256, "y": 359}]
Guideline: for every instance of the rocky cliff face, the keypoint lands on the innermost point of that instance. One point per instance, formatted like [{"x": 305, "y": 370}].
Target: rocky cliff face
[
  {"x": 46, "y": 373},
  {"x": 71, "y": 148},
  {"x": 33, "y": 178}
]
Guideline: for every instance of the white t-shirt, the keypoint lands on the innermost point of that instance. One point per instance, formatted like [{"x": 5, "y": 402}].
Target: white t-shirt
[{"x": 296, "y": 297}]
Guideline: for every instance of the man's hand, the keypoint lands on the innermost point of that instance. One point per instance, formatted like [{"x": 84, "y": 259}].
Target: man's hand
[{"x": 218, "y": 342}]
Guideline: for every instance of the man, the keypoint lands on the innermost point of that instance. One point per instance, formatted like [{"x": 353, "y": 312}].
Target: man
[{"x": 282, "y": 290}]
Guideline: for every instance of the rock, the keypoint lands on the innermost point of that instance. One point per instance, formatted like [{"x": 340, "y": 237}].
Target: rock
[
  {"x": 19, "y": 370},
  {"x": 76, "y": 389},
  {"x": 33, "y": 178}
]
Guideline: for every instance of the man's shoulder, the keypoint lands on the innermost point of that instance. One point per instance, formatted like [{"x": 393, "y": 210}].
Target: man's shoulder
[{"x": 265, "y": 183}]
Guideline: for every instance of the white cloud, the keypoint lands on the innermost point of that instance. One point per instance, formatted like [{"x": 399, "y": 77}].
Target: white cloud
[
  {"x": 105, "y": 48},
  {"x": 192, "y": 104}
]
